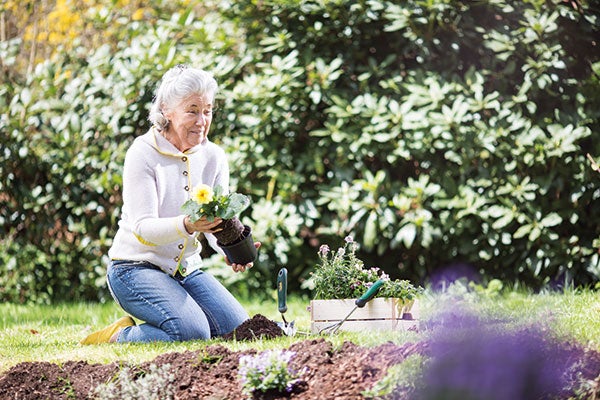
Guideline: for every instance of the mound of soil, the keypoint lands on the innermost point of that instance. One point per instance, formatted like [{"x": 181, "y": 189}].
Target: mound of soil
[{"x": 257, "y": 327}]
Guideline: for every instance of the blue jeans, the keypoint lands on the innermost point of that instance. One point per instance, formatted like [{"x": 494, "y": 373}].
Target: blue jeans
[{"x": 195, "y": 307}]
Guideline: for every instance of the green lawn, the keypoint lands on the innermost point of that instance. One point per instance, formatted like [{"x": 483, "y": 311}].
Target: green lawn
[{"x": 52, "y": 333}]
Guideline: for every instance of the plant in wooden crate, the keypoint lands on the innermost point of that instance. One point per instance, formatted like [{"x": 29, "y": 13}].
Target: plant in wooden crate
[
  {"x": 234, "y": 238},
  {"x": 341, "y": 275}
]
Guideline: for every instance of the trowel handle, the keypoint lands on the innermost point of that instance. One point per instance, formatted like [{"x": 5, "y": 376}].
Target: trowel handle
[
  {"x": 369, "y": 294},
  {"x": 282, "y": 290}
]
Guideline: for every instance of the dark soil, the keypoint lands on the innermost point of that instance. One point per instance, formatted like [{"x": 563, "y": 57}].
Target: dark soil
[
  {"x": 257, "y": 327},
  {"x": 231, "y": 231}
]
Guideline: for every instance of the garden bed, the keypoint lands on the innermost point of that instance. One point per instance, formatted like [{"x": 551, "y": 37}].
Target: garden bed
[{"x": 211, "y": 373}]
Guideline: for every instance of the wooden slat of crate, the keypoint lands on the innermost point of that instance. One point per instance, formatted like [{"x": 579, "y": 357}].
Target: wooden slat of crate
[
  {"x": 367, "y": 325},
  {"x": 335, "y": 310},
  {"x": 379, "y": 314}
]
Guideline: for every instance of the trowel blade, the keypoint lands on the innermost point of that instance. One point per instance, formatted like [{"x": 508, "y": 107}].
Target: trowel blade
[{"x": 289, "y": 329}]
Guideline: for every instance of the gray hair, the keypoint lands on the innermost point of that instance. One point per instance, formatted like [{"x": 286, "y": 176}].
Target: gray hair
[{"x": 178, "y": 83}]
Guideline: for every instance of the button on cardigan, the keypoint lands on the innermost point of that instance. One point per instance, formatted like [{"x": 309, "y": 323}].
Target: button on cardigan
[{"x": 157, "y": 180}]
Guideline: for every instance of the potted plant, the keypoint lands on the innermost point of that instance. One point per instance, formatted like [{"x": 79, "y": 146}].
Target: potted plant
[
  {"x": 234, "y": 238},
  {"x": 341, "y": 277}
]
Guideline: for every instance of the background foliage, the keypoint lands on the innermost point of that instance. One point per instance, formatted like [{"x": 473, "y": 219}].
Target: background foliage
[{"x": 436, "y": 133}]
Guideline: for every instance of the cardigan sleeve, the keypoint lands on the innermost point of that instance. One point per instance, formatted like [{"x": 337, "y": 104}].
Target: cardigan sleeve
[{"x": 140, "y": 202}]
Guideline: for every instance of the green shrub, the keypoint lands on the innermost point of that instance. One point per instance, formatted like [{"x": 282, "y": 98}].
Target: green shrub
[
  {"x": 68, "y": 125},
  {"x": 432, "y": 132},
  {"x": 438, "y": 132}
]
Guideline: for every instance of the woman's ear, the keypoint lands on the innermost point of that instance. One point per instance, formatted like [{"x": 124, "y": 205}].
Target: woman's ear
[{"x": 166, "y": 112}]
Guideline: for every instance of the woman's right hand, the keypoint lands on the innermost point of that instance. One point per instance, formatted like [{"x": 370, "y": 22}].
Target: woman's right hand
[{"x": 201, "y": 225}]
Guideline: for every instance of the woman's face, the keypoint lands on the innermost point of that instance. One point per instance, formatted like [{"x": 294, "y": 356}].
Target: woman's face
[{"x": 189, "y": 121}]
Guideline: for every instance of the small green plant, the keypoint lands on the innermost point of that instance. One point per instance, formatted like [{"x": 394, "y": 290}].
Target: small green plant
[
  {"x": 342, "y": 275},
  {"x": 206, "y": 202},
  {"x": 404, "y": 378},
  {"x": 209, "y": 203},
  {"x": 583, "y": 388},
  {"x": 156, "y": 384},
  {"x": 67, "y": 389},
  {"x": 267, "y": 371}
]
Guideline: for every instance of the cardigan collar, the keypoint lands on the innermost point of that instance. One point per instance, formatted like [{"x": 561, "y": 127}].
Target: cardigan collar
[{"x": 163, "y": 146}]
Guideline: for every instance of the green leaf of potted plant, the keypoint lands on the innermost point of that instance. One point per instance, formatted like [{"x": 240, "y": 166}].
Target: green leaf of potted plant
[{"x": 234, "y": 237}]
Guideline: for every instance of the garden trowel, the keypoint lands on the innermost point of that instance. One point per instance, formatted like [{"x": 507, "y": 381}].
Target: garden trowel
[
  {"x": 288, "y": 327},
  {"x": 359, "y": 303}
]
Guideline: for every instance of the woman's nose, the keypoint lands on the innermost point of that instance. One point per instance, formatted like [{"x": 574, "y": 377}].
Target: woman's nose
[{"x": 202, "y": 120}]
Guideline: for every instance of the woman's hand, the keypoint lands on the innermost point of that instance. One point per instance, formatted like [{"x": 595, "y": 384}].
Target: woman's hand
[
  {"x": 242, "y": 267},
  {"x": 201, "y": 225}
]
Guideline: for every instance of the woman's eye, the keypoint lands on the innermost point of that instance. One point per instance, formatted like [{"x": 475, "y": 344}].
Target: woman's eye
[{"x": 207, "y": 113}]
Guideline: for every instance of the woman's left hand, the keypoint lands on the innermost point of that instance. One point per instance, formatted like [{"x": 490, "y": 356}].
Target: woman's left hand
[{"x": 242, "y": 267}]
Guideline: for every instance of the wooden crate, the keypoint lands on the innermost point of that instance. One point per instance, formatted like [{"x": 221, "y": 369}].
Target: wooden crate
[{"x": 378, "y": 314}]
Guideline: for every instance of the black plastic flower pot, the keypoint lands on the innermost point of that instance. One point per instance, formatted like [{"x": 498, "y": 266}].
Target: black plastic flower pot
[{"x": 241, "y": 251}]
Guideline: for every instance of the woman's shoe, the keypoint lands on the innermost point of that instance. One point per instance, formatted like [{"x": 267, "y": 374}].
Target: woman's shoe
[{"x": 105, "y": 335}]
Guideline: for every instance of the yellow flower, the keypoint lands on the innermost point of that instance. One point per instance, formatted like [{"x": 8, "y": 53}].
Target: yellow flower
[
  {"x": 202, "y": 194},
  {"x": 138, "y": 14}
]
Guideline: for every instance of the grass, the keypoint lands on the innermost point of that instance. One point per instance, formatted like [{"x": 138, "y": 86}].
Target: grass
[
  {"x": 51, "y": 333},
  {"x": 572, "y": 314}
]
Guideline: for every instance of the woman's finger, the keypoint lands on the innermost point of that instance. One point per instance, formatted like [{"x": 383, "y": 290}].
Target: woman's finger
[
  {"x": 241, "y": 267},
  {"x": 203, "y": 225}
]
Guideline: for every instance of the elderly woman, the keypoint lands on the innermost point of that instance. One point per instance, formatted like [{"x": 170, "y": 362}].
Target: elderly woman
[{"x": 155, "y": 271}]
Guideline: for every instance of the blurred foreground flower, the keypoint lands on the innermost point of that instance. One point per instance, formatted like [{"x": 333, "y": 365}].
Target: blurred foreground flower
[{"x": 475, "y": 360}]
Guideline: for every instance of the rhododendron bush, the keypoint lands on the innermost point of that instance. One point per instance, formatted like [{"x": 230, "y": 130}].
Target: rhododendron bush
[{"x": 431, "y": 132}]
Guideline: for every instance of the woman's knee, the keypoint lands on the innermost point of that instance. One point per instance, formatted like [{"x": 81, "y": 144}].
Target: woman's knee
[{"x": 180, "y": 330}]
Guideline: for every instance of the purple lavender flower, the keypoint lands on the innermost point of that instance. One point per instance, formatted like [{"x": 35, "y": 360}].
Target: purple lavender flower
[
  {"x": 477, "y": 360},
  {"x": 349, "y": 239},
  {"x": 267, "y": 370},
  {"x": 323, "y": 250}
]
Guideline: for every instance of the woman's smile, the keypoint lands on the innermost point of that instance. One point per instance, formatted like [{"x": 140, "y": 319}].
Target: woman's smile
[{"x": 189, "y": 122}]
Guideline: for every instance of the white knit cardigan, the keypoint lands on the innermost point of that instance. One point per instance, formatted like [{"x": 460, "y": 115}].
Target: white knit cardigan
[{"x": 157, "y": 180}]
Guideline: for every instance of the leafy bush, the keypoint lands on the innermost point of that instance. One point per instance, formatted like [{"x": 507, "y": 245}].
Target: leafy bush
[
  {"x": 438, "y": 132},
  {"x": 432, "y": 132},
  {"x": 68, "y": 125}
]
